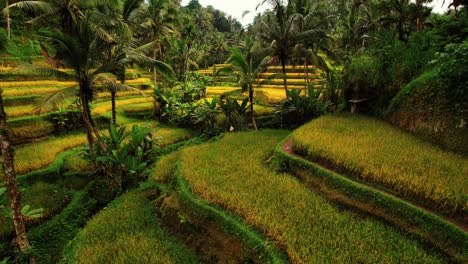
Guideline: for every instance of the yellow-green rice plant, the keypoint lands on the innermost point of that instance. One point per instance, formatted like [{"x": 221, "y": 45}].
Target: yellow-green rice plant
[
  {"x": 137, "y": 108},
  {"x": 387, "y": 156},
  {"x": 169, "y": 135},
  {"x": 38, "y": 155},
  {"x": 127, "y": 231},
  {"x": 164, "y": 168},
  {"x": 106, "y": 95},
  {"x": 16, "y": 91},
  {"x": 20, "y": 110},
  {"x": 232, "y": 173},
  {"x": 35, "y": 83},
  {"x": 106, "y": 106}
]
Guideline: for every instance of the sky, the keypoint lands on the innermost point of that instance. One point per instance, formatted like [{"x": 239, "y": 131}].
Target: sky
[{"x": 236, "y": 8}]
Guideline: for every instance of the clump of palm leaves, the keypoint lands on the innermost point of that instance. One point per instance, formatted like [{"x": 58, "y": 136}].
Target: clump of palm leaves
[
  {"x": 122, "y": 163},
  {"x": 235, "y": 112},
  {"x": 299, "y": 108}
]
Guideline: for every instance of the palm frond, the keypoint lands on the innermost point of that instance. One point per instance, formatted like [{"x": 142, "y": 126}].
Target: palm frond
[
  {"x": 54, "y": 100},
  {"x": 31, "y": 69},
  {"x": 40, "y": 7}
]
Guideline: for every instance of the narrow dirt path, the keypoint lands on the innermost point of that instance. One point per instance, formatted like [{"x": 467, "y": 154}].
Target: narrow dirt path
[{"x": 287, "y": 147}]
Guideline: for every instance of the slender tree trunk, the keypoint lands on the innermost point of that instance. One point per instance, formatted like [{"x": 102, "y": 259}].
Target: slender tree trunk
[
  {"x": 86, "y": 122},
  {"x": 154, "y": 70},
  {"x": 114, "y": 115},
  {"x": 252, "y": 115},
  {"x": 8, "y": 20},
  {"x": 306, "y": 64},
  {"x": 283, "y": 67},
  {"x": 9, "y": 175}
]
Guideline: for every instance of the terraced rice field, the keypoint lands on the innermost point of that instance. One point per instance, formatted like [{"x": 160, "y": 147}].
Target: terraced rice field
[
  {"x": 233, "y": 173},
  {"x": 381, "y": 154},
  {"x": 127, "y": 232}
]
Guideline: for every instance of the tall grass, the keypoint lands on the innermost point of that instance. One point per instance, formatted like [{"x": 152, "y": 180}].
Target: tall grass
[
  {"x": 382, "y": 154},
  {"x": 127, "y": 231},
  {"x": 232, "y": 173}
]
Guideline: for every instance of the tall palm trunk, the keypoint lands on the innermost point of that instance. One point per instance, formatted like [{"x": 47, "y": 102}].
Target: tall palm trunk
[
  {"x": 306, "y": 64},
  {"x": 252, "y": 115},
  {"x": 8, "y": 20},
  {"x": 86, "y": 121},
  {"x": 9, "y": 175},
  {"x": 155, "y": 73},
  {"x": 114, "y": 114},
  {"x": 283, "y": 68}
]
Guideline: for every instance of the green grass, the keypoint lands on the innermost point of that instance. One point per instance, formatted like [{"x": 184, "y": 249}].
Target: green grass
[
  {"x": 232, "y": 173},
  {"x": 384, "y": 155},
  {"x": 127, "y": 231}
]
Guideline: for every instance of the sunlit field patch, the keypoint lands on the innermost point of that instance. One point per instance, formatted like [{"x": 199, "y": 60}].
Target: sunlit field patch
[
  {"x": 19, "y": 91},
  {"x": 36, "y": 83},
  {"x": 138, "y": 108},
  {"x": 105, "y": 106},
  {"x": 35, "y": 156},
  {"x": 105, "y": 95},
  {"x": 170, "y": 135},
  {"x": 385, "y": 155},
  {"x": 232, "y": 173}
]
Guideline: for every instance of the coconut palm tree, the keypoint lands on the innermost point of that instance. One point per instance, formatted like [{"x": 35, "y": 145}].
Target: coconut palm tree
[
  {"x": 284, "y": 30},
  {"x": 159, "y": 20},
  {"x": 241, "y": 65},
  {"x": 86, "y": 52},
  {"x": 62, "y": 14}
]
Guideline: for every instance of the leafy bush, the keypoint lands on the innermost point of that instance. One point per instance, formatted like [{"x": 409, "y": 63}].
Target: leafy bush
[
  {"x": 121, "y": 165},
  {"x": 66, "y": 120},
  {"x": 298, "y": 109},
  {"x": 235, "y": 112},
  {"x": 426, "y": 108},
  {"x": 451, "y": 68}
]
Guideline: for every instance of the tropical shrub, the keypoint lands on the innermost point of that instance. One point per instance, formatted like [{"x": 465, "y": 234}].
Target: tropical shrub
[
  {"x": 236, "y": 113},
  {"x": 298, "y": 109},
  {"x": 122, "y": 163}
]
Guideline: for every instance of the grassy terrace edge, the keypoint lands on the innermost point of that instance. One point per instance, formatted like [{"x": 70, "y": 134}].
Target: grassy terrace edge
[
  {"x": 449, "y": 238},
  {"x": 250, "y": 237}
]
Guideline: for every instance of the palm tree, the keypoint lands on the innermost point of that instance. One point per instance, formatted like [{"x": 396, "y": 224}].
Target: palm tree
[
  {"x": 62, "y": 14},
  {"x": 85, "y": 51},
  {"x": 241, "y": 65},
  {"x": 9, "y": 176},
  {"x": 159, "y": 20},
  {"x": 284, "y": 30}
]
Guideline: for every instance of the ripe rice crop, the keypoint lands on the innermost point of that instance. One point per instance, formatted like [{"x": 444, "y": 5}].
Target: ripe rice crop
[
  {"x": 35, "y": 83},
  {"x": 38, "y": 155},
  {"x": 20, "y": 110},
  {"x": 102, "y": 107},
  {"x": 232, "y": 173},
  {"x": 17, "y": 91},
  {"x": 384, "y": 155},
  {"x": 138, "y": 108},
  {"x": 170, "y": 135},
  {"x": 105, "y": 95},
  {"x": 127, "y": 231},
  {"x": 137, "y": 81}
]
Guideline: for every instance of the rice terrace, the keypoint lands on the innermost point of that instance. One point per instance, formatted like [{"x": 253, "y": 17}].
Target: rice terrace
[{"x": 248, "y": 131}]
